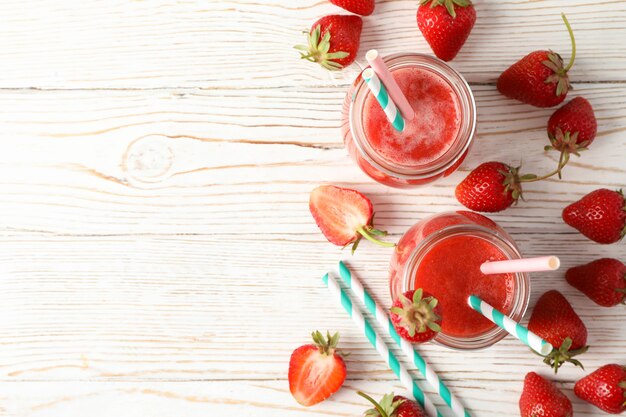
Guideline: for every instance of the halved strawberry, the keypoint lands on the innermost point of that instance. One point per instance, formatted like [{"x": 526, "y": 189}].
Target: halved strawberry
[
  {"x": 316, "y": 371},
  {"x": 344, "y": 216}
]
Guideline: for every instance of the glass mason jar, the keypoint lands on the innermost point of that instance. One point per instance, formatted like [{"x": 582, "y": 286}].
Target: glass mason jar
[
  {"x": 426, "y": 234},
  {"x": 393, "y": 174}
]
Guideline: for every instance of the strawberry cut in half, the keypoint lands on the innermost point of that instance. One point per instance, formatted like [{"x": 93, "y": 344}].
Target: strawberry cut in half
[
  {"x": 316, "y": 371},
  {"x": 416, "y": 316},
  {"x": 344, "y": 216}
]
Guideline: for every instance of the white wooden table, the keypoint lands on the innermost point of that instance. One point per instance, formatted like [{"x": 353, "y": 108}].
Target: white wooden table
[{"x": 157, "y": 254}]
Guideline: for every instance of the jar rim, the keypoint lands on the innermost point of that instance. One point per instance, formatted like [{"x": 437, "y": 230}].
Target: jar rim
[
  {"x": 508, "y": 248},
  {"x": 465, "y": 135}
]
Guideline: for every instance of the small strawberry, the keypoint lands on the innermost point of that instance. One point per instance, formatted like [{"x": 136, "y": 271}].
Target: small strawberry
[
  {"x": 491, "y": 187},
  {"x": 599, "y": 215},
  {"x": 393, "y": 406},
  {"x": 344, "y": 216},
  {"x": 416, "y": 316},
  {"x": 555, "y": 320},
  {"x": 362, "y": 7},
  {"x": 603, "y": 280},
  {"x": 605, "y": 388},
  {"x": 446, "y": 24},
  {"x": 571, "y": 129},
  {"x": 538, "y": 79},
  {"x": 541, "y": 397},
  {"x": 333, "y": 41},
  {"x": 316, "y": 371}
]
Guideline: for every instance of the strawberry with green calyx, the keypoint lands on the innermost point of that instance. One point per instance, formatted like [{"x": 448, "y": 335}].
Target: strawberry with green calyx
[
  {"x": 416, "y": 316},
  {"x": 540, "y": 78},
  {"x": 599, "y": 215},
  {"x": 571, "y": 129},
  {"x": 555, "y": 320},
  {"x": 446, "y": 25},
  {"x": 333, "y": 41},
  {"x": 605, "y": 388},
  {"x": 316, "y": 371},
  {"x": 495, "y": 186},
  {"x": 344, "y": 216},
  {"x": 393, "y": 406}
]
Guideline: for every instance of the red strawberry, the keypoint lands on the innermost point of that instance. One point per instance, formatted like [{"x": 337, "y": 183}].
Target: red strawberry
[
  {"x": 541, "y": 397},
  {"x": 446, "y": 24},
  {"x": 491, "y": 187},
  {"x": 555, "y": 320},
  {"x": 393, "y": 406},
  {"x": 362, "y": 7},
  {"x": 316, "y": 371},
  {"x": 539, "y": 78},
  {"x": 577, "y": 120},
  {"x": 603, "y": 280},
  {"x": 605, "y": 388},
  {"x": 416, "y": 316},
  {"x": 600, "y": 215},
  {"x": 333, "y": 41},
  {"x": 344, "y": 216}
]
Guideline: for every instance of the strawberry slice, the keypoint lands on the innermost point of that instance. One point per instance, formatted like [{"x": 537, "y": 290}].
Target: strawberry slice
[
  {"x": 316, "y": 371},
  {"x": 344, "y": 216}
]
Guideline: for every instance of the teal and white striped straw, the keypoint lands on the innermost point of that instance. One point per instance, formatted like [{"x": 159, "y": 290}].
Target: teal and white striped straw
[
  {"x": 383, "y": 319},
  {"x": 380, "y": 92},
  {"x": 515, "y": 329},
  {"x": 379, "y": 344}
]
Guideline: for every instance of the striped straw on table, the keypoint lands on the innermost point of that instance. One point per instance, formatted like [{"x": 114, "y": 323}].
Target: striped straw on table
[
  {"x": 379, "y": 344},
  {"x": 407, "y": 348},
  {"x": 389, "y": 107},
  {"x": 515, "y": 329}
]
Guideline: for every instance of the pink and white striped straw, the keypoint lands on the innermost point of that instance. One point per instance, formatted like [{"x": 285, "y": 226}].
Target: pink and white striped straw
[
  {"x": 379, "y": 67},
  {"x": 544, "y": 263}
]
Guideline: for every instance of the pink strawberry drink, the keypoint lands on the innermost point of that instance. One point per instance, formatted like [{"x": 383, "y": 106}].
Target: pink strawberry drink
[{"x": 431, "y": 145}]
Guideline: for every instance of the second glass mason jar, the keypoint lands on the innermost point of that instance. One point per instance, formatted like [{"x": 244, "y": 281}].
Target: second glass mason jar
[
  {"x": 442, "y": 254},
  {"x": 431, "y": 146}
]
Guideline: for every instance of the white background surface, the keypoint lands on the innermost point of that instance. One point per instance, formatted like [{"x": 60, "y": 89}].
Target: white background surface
[{"x": 157, "y": 254}]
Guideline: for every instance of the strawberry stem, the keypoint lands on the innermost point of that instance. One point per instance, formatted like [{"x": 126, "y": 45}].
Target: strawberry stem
[
  {"x": 563, "y": 160},
  {"x": 374, "y": 403},
  {"x": 363, "y": 231},
  {"x": 571, "y": 36}
]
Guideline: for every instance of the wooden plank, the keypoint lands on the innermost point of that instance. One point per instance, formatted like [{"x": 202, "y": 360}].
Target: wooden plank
[
  {"x": 249, "y": 398},
  {"x": 233, "y": 44}
]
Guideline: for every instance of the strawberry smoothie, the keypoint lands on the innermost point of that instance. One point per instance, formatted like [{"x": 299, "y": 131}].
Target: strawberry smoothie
[
  {"x": 429, "y": 134},
  {"x": 442, "y": 254},
  {"x": 450, "y": 271},
  {"x": 432, "y": 145}
]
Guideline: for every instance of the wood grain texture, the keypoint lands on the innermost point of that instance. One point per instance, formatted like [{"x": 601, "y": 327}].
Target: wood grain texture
[
  {"x": 157, "y": 253},
  {"x": 230, "y": 44}
]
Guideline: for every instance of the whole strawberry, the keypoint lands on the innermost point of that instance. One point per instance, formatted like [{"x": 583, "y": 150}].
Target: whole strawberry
[
  {"x": 316, "y": 371},
  {"x": 571, "y": 129},
  {"x": 416, "y": 316},
  {"x": 540, "y": 78},
  {"x": 605, "y": 388},
  {"x": 393, "y": 406},
  {"x": 362, "y": 7},
  {"x": 446, "y": 24},
  {"x": 599, "y": 215},
  {"x": 603, "y": 280},
  {"x": 555, "y": 320},
  {"x": 333, "y": 41},
  {"x": 344, "y": 216},
  {"x": 541, "y": 398},
  {"x": 491, "y": 187}
]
